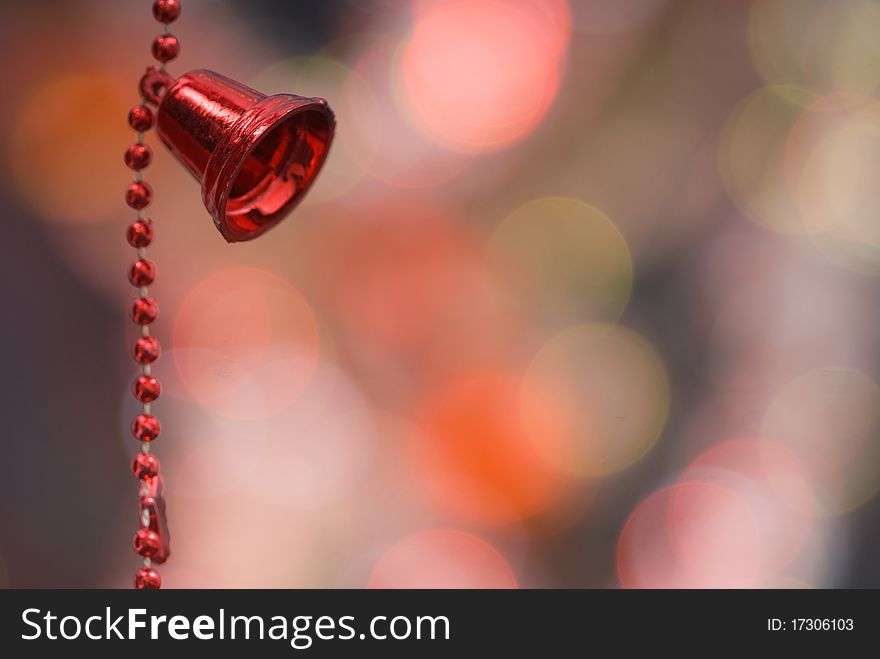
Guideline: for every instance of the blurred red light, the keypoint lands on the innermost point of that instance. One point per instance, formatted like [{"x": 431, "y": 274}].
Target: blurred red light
[
  {"x": 245, "y": 343},
  {"x": 479, "y": 75},
  {"x": 691, "y": 535},
  {"x": 442, "y": 558},
  {"x": 476, "y": 459}
]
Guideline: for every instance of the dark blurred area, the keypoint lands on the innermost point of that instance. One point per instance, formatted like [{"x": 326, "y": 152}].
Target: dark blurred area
[{"x": 586, "y": 296}]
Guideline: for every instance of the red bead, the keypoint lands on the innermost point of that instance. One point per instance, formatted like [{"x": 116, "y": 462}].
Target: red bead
[
  {"x": 166, "y": 11},
  {"x": 138, "y": 156},
  {"x": 145, "y": 427},
  {"x": 146, "y": 578},
  {"x": 146, "y": 542},
  {"x": 146, "y": 388},
  {"x": 140, "y": 117},
  {"x": 140, "y": 233},
  {"x": 165, "y": 47},
  {"x": 144, "y": 310},
  {"x": 139, "y": 194},
  {"x": 146, "y": 350},
  {"x": 145, "y": 465},
  {"x": 142, "y": 272}
]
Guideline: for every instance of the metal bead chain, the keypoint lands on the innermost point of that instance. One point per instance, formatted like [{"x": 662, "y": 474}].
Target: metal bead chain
[{"x": 145, "y": 427}]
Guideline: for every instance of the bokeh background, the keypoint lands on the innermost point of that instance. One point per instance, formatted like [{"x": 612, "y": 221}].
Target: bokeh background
[{"x": 586, "y": 296}]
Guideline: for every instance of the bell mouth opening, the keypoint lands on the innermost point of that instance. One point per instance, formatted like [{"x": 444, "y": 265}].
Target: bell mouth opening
[{"x": 275, "y": 172}]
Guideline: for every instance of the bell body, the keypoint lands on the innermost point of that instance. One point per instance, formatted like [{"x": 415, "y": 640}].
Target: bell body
[{"x": 255, "y": 155}]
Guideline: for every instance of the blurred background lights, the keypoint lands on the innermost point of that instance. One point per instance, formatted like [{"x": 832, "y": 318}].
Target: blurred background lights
[
  {"x": 438, "y": 337},
  {"x": 442, "y": 558},
  {"x": 67, "y": 136},
  {"x": 477, "y": 327},
  {"x": 823, "y": 45},
  {"x": 611, "y": 393},
  {"x": 691, "y": 535},
  {"x": 405, "y": 157},
  {"x": 317, "y": 451},
  {"x": 552, "y": 17},
  {"x": 408, "y": 257},
  {"x": 776, "y": 486},
  {"x": 478, "y": 75},
  {"x": 618, "y": 16},
  {"x": 565, "y": 259},
  {"x": 246, "y": 343},
  {"x": 473, "y": 454},
  {"x": 832, "y": 165},
  {"x": 770, "y": 309},
  {"x": 280, "y": 549},
  {"x": 830, "y": 419},
  {"x": 752, "y": 157}
]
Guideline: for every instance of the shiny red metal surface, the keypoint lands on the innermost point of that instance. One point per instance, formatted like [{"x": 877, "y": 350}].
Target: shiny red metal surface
[
  {"x": 146, "y": 350},
  {"x": 146, "y": 388},
  {"x": 166, "y": 11},
  {"x": 146, "y": 542},
  {"x": 151, "y": 509},
  {"x": 138, "y": 156},
  {"x": 140, "y": 233},
  {"x": 140, "y": 118},
  {"x": 139, "y": 195},
  {"x": 145, "y": 427},
  {"x": 165, "y": 47},
  {"x": 144, "y": 310},
  {"x": 145, "y": 466},
  {"x": 142, "y": 272},
  {"x": 255, "y": 155},
  {"x": 146, "y": 578}
]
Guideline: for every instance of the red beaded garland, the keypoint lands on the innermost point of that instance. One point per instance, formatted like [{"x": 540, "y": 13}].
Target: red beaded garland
[
  {"x": 146, "y": 542},
  {"x": 139, "y": 195},
  {"x": 140, "y": 117},
  {"x": 145, "y": 465},
  {"x": 145, "y": 427},
  {"x": 165, "y": 47},
  {"x": 166, "y": 11},
  {"x": 138, "y": 156},
  {"x": 146, "y": 350},
  {"x": 150, "y": 540},
  {"x": 142, "y": 272},
  {"x": 140, "y": 233},
  {"x": 146, "y": 388},
  {"x": 144, "y": 311},
  {"x": 146, "y": 578}
]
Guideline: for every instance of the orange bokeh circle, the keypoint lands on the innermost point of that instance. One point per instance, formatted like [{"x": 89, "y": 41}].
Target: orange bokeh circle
[{"x": 476, "y": 458}]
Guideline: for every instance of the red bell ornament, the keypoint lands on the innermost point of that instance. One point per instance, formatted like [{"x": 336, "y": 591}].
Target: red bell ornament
[{"x": 255, "y": 155}]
